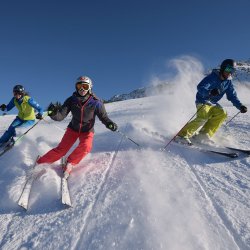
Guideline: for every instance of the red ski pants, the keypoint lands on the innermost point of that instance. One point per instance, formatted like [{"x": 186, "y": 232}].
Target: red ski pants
[{"x": 69, "y": 138}]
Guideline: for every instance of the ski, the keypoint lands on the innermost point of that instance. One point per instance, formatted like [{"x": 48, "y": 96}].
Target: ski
[
  {"x": 7, "y": 147},
  {"x": 201, "y": 149},
  {"x": 163, "y": 138},
  {"x": 231, "y": 154},
  {"x": 24, "y": 197},
  {"x": 227, "y": 154},
  {"x": 66, "y": 200},
  {"x": 244, "y": 151}
]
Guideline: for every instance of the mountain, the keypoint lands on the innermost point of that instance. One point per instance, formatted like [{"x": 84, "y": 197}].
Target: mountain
[
  {"x": 141, "y": 92},
  {"x": 243, "y": 72},
  {"x": 242, "y": 76}
]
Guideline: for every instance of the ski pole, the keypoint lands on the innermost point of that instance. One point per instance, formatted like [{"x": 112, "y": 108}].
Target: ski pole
[
  {"x": 232, "y": 118},
  {"x": 184, "y": 125},
  {"x": 63, "y": 130},
  {"x": 128, "y": 138},
  {"x": 21, "y": 136}
]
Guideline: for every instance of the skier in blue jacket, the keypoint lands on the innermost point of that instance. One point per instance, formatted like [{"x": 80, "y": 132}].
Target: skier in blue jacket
[
  {"x": 26, "y": 115},
  {"x": 210, "y": 115}
]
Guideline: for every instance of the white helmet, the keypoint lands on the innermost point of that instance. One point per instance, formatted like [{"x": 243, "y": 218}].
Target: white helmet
[{"x": 84, "y": 79}]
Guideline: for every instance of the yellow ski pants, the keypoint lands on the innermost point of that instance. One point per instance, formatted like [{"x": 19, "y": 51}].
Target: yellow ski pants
[{"x": 208, "y": 117}]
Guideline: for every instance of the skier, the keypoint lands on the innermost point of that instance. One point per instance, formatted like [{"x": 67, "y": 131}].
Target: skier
[
  {"x": 26, "y": 115},
  {"x": 210, "y": 115},
  {"x": 84, "y": 106}
]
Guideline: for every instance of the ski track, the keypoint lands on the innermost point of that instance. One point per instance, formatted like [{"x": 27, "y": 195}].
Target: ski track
[
  {"x": 229, "y": 183},
  {"x": 220, "y": 211},
  {"x": 224, "y": 188},
  {"x": 230, "y": 178},
  {"x": 5, "y": 222},
  {"x": 208, "y": 205},
  {"x": 225, "y": 181},
  {"x": 99, "y": 195},
  {"x": 78, "y": 244}
]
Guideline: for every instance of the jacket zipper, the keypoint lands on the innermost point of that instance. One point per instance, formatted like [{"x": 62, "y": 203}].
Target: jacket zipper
[{"x": 82, "y": 109}]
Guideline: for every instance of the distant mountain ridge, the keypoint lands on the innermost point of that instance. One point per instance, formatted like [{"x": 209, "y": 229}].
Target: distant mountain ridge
[
  {"x": 141, "y": 92},
  {"x": 243, "y": 71},
  {"x": 242, "y": 77}
]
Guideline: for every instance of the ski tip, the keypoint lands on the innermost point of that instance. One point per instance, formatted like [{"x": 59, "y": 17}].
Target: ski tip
[
  {"x": 244, "y": 151},
  {"x": 25, "y": 207},
  {"x": 232, "y": 155},
  {"x": 67, "y": 205}
]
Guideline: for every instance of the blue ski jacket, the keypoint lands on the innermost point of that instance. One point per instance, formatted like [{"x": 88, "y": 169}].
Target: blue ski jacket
[{"x": 213, "y": 81}]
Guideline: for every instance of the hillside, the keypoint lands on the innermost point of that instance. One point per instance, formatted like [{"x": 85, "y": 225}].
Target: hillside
[{"x": 125, "y": 198}]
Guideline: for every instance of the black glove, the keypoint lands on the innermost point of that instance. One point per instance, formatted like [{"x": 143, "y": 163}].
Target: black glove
[
  {"x": 39, "y": 116},
  {"x": 3, "y": 107},
  {"x": 243, "y": 109},
  {"x": 112, "y": 126},
  {"x": 214, "y": 92},
  {"x": 53, "y": 108}
]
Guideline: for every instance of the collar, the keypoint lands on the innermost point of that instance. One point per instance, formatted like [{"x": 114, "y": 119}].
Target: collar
[{"x": 81, "y": 98}]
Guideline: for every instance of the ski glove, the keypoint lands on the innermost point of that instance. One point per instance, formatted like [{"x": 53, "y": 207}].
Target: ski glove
[
  {"x": 214, "y": 92},
  {"x": 39, "y": 116},
  {"x": 243, "y": 109},
  {"x": 112, "y": 126},
  {"x": 3, "y": 107},
  {"x": 53, "y": 108}
]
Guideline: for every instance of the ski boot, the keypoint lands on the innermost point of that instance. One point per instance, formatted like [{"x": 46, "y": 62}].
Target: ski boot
[
  {"x": 67, "y": 169},
  {"x": 182, "y": 140}
]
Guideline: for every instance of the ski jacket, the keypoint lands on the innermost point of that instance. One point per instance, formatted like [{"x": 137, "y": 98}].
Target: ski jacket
[
  {"x": 25, "y": 106},
  {"x": 84, "y": 110},
  {"x": 213, "y": 81}
]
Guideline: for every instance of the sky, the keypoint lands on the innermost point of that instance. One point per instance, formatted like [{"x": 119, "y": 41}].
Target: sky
[{"x": 121, "y": 45}]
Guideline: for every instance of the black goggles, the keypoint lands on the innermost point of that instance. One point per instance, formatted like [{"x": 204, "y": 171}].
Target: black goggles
[{"x": 230, "y": 69}]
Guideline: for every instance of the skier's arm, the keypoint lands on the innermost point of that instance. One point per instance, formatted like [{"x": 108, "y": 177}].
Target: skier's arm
[
  {"x": 102, "y": 114},
  {"x": 35, "y": 105},
  {"x": 232, "y": 96},
  {"x": 10, "y": 105},
  {"x": 61, "y": 111}
]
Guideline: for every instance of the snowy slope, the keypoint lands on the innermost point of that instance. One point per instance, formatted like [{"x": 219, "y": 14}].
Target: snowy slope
[{"x": 126, "y": 198}]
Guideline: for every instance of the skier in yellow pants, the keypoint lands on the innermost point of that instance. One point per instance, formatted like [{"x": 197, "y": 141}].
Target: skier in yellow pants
[{"x": 210, "y": 115}]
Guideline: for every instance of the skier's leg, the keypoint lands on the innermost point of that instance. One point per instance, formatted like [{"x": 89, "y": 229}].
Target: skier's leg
[
  {"x": 201, "y": 118},
  {"x": 83, "y": 148},
  {"x": 63, "y": 147},
  {"x": 11, "y": 132},
  {"x": 217, "y": 116},
  {"x": 27, "y": 123}
]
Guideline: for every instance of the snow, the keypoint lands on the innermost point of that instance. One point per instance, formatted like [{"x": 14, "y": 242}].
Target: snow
[{"x": 125, "y": 197}]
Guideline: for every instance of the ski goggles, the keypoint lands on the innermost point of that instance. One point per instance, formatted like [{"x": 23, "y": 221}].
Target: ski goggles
[
  {"x": 229, "y": 69},
  {"x": 81, "y": 86},
  {"x": 17, "y": 93}
]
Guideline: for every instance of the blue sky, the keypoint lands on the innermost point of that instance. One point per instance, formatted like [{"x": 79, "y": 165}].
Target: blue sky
[{"x": 45, "y": 45}]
